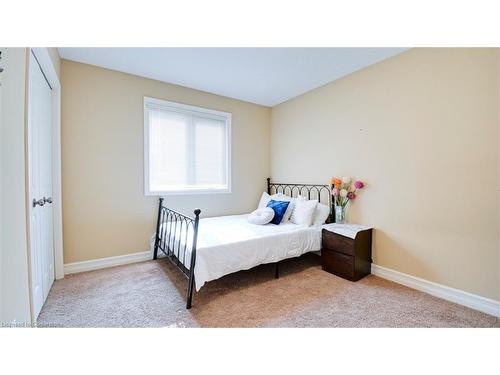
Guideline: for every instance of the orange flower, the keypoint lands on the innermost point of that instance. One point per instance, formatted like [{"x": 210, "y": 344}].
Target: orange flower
[{"x": 336, "y": 181}]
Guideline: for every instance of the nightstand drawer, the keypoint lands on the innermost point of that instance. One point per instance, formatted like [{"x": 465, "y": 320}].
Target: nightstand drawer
[
  {"x": 338, "y": 264},
  {"x": 336, "y": 242}
]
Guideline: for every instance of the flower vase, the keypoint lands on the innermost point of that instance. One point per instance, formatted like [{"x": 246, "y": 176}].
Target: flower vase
[{"x": 340, "y": 214}]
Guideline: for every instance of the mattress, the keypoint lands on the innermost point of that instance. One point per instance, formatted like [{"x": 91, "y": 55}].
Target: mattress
[{"x": 228, "y": 244}]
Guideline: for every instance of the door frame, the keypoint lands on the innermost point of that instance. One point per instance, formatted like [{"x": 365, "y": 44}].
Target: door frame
[{"x": 43, "y": 58}]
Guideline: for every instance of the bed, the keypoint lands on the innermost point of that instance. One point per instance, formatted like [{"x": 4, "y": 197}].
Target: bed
[{"x": 207, "y": 249}]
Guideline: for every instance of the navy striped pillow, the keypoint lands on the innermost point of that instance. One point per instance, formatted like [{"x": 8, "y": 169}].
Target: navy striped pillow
[{"x": 279, "y": 208}]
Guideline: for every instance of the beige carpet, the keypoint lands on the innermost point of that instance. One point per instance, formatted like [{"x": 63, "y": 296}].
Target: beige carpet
[{"x": 151, "y": 294}]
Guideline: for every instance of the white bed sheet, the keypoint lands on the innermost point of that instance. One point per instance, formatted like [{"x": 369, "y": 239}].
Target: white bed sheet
[{"x": 227, "y": 244}]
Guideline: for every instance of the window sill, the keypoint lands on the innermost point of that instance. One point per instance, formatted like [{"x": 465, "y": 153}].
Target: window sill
[{"x": 187, "y": 192}]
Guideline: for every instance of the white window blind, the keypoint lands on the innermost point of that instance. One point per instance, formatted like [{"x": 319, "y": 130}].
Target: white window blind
[{"x": 187, "y": 149}]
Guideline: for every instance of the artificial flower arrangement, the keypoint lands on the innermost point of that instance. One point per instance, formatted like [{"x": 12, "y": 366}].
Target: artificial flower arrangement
[{"x": 343, "y": 191}]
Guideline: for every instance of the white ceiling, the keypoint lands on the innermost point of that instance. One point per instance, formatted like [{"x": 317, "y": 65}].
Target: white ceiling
[{"x": 266, "y": 76}]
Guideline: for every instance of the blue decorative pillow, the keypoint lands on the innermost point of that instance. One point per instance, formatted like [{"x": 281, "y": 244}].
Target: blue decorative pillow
[{"x": 279, "y": 208}]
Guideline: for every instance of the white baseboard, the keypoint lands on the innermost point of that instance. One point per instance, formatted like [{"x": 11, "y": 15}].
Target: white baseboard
[
  {"x": 489, "y": 306},
  {"x": 95, "y": 264}
]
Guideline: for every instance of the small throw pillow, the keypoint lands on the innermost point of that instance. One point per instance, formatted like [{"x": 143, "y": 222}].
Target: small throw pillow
[
  {"x": 303, "y": 212},
  {"x": 321, "y": 214},
  {"x": 265, "y": 198},
  {"x": 289, "y": 210},
  {"x": 261, "y": 216},
  {"x": 279, "y": 208}
]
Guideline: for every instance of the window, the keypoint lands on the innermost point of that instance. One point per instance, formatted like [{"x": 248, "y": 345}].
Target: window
[{"x": 186, "y": 149}]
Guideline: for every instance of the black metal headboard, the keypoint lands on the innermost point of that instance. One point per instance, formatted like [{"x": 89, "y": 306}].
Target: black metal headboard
[{"x": 323, "y": 193}]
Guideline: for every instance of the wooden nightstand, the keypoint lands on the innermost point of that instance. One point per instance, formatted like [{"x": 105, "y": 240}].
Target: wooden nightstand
[{"x": 344, "y": 256}]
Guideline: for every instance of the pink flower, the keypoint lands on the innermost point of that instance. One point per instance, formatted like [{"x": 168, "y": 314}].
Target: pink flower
[
  {"x": 359, "y": 184},
  {"x": 335, "y": 192},
  {"x": 351, "y": 195}
]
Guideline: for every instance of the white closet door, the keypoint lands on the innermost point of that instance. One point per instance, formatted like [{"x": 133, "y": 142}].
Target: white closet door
[{"x": 40, "y": 185}]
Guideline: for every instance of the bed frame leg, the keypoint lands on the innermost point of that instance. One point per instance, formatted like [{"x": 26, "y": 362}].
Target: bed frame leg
[
  {"x": 157, "y": 235},
  {"x": 155, "y": 252},
  {"x": 277, "y": 271},
  {"x": 189, "y": 297}
]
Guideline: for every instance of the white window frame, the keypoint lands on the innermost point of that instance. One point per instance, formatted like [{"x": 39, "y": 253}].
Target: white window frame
[{"x": 193, "y": 110}]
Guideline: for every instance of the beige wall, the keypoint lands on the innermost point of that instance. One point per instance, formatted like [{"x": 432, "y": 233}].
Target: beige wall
[
  {"x": 498, "y": 149},
  {"x": 105, "y": 211},
  {"x": 15, "y": 303},
  {"x": 422, "y": 129}
]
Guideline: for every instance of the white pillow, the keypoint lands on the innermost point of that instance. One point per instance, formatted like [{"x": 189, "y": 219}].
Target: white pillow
[
  {"x": 303, "y": 212},
  {"x": 261, "y": 216},
  {"x": 265, "y": 198},
  {"x": 321, "y": 214}
]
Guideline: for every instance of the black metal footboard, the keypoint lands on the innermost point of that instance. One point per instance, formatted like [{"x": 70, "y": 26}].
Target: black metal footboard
[{"x": 176, "y": 237}]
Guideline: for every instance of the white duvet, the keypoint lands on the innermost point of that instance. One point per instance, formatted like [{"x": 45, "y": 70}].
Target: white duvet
[{"x": 227, "y": 244}]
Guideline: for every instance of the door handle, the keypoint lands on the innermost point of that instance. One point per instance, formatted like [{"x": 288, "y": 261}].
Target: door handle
[
  {"x": 39, "y": 202},
  {"x": 47, "y": 200}
]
